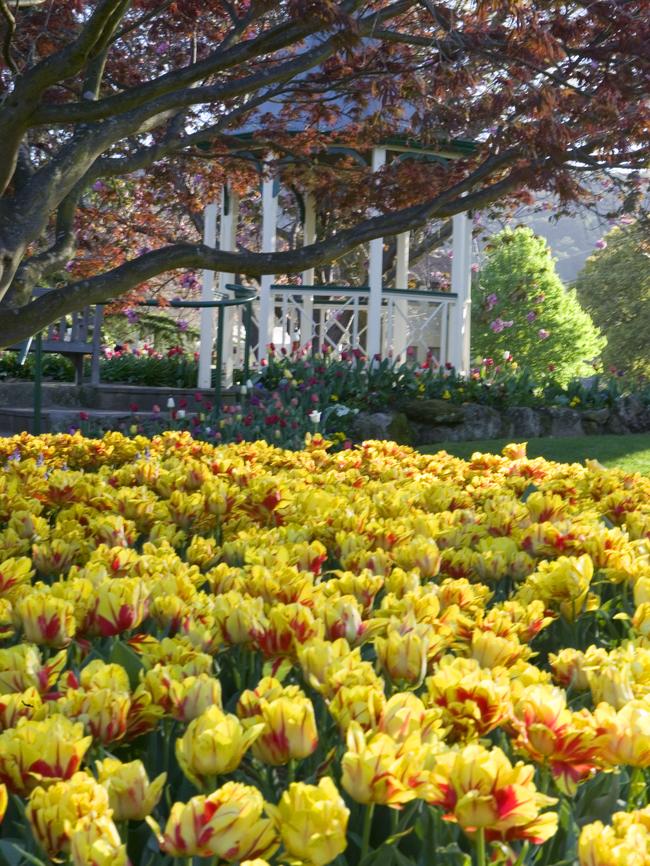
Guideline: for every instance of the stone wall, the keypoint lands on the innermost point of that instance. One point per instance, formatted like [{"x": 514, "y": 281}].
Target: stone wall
[{"x": 426, "y": 422}]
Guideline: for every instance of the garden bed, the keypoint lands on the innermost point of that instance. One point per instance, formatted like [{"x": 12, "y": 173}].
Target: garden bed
[{"x": 373, "y": 656}]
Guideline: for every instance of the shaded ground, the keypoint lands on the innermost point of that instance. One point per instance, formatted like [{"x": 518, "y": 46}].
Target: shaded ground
[{"x": 631, "y": 452}]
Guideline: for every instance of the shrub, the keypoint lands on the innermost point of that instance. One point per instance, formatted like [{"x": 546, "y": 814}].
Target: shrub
[{"x": 521, "y": 306}]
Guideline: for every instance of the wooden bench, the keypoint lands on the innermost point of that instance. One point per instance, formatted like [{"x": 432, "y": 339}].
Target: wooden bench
[{"x": 74, "y": 336}]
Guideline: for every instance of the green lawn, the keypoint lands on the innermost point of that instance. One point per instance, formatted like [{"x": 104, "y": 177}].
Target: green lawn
[{"x": 631, "y": 452}]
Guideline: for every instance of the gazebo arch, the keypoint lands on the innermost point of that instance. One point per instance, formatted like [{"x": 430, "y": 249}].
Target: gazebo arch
[{"x": 383, "y": 319}]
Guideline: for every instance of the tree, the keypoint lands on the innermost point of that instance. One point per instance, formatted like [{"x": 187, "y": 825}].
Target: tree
[
  {"x": 112, "y": 106},
  {"x": 614, "y": 287},
  {"x": 521, "y": 306}
]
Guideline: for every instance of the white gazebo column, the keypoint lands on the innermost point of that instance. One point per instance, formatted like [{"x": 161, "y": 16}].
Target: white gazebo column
[
  {"x": 401, "y": 305},
  {"x": 307, "y": 332},
  {"x": 375, "y": 276},
  {"x": 228, "y": 241},
  {"x": 269, "y": 243},
  {"x": 461, "y": 274},
  {"x": 207, "y": 294}
]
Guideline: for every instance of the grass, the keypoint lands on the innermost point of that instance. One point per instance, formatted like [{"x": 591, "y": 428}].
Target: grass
[{"x": 631, "y": 452}]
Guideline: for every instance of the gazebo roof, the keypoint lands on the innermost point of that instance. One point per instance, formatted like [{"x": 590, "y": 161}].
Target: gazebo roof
[{"x": 248, "y": 143}]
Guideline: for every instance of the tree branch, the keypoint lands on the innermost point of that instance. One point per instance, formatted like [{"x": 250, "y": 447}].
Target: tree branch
[
  {"x": 18, "y": 323},
  {"x": 10, "y": 29},
  {"x": 268, "y": 43}
]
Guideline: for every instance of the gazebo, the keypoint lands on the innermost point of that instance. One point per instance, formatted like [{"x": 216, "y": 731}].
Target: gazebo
[{"x": 380, "y": 320}]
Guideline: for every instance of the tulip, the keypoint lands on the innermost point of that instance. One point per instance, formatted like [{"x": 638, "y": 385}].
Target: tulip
[
  {"x": 625, "y": 843},
  {"x": 289, "y": 727},
  {"x": 312, "y": 821},
  {"x": 377, "y": 769},
  {"x": 485, "y": 794},
  {"x": 562, "y": 584},
  {"x": 46, "y": 620},
  {"x": 35, "y": 752},
  {"x": 104, "y": 712},
  {"x": 97, "y": 842},
  {"x": 122, "y": 604},
  {"x": 474, "y": 701},
  {"x": 213, "y": 744},
  {"x": 21, "y": 668},
  {"x": 227, "y": 824},
  {"x": 612, "y": 683},
  {"x": 405, "y": 714},
  {"x": 239, "y": 617},
  {"x": 319, "y": 658},
  {"x": 4, "y": 799},
  {"x": 18, "y": 705},
  {"x": 623, "y": 737},
  {"x": 193, "y": 695},
  {"x": 99, "y": 675},
  {"x": 131, "y": 795},
  {"x": 55, "y": 812},
  {"x": 343, "y": 618},
  {"x": 289, "y": 626},
  {"x": 363, "y": 704},
  {"x": 404, "y": 652},
  {"x": 549, "y": 733},
  {"x": 15, "y": 573}
]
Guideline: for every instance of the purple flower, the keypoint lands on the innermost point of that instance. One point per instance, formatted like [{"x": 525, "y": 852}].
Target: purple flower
[
  {"x": 99, "y": 186},
  {"x": 497, "y": 326},
  {"x": 601, "y": 244},
  {"x": 543, "y": 334},
  {"x": 531, "y": 316},
  {"x": 491, "y": 302},
  {"x": 131, "y": 315},
  {"x": 183, "y": 325},
  {"x": 69, "y": 266},
  {"x": 162, "y": 48}
]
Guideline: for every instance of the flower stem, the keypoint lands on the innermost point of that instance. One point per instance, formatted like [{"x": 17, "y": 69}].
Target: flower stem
[
  {"x": 367, "y": 824},
  {"x": 480, "y": 847}
]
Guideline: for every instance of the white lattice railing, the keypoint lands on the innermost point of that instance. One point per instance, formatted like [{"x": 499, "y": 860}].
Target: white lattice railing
[{"x": 413, "y": 323}]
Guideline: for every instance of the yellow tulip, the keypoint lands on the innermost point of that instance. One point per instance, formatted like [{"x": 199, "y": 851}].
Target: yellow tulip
[
  {"x": 625, "y": 843},
  {"x": 96, "y": 842},
  {"x": 104, "y": 712},
  {"x": 404, "y": 652},
  {"x": 41, "y": 752},
  {"x": 473, "y": 700},
  {"x": 131, "y": 795},
  {"x": 312, "y": 821},
  {"x": 377, "y": 769},
  {"x": 4, "y": 799},
  {"x": 623, "y": 737},
  {"x": 15, "y": 573},
  {"x": 213, "y": 744},
  {"x": 55, "y": 812},
  {"x": 21, "y": 668},
  {"x": 227, "y": 824},
  {"x": 562, "y": 584},
  {"x": 46, "y": 620},
  {"x": 289, "y": 728},
  {"x": 363, "y": 704},
  {"x": 122, "y": 604},
  {"x": 18, "y": 705},
  {"x": 482, "y": 790},
  {"x": 405, "y": 714},
  {"x": 191, "y": 696},
  {"x": 99, "y": 675}
]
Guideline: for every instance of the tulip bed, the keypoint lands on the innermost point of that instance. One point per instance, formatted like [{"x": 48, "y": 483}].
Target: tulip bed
[{"x": 241, "y": 654}]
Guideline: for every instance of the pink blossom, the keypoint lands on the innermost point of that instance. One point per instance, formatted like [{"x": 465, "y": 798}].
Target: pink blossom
[
  {"x": 475, "y": 268},
  {"x": 531, "y": 316},
  {"x": 601, "y": 244},
  {"x": 491, "y": 302},
  {"x": 543, "y": 334}
]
